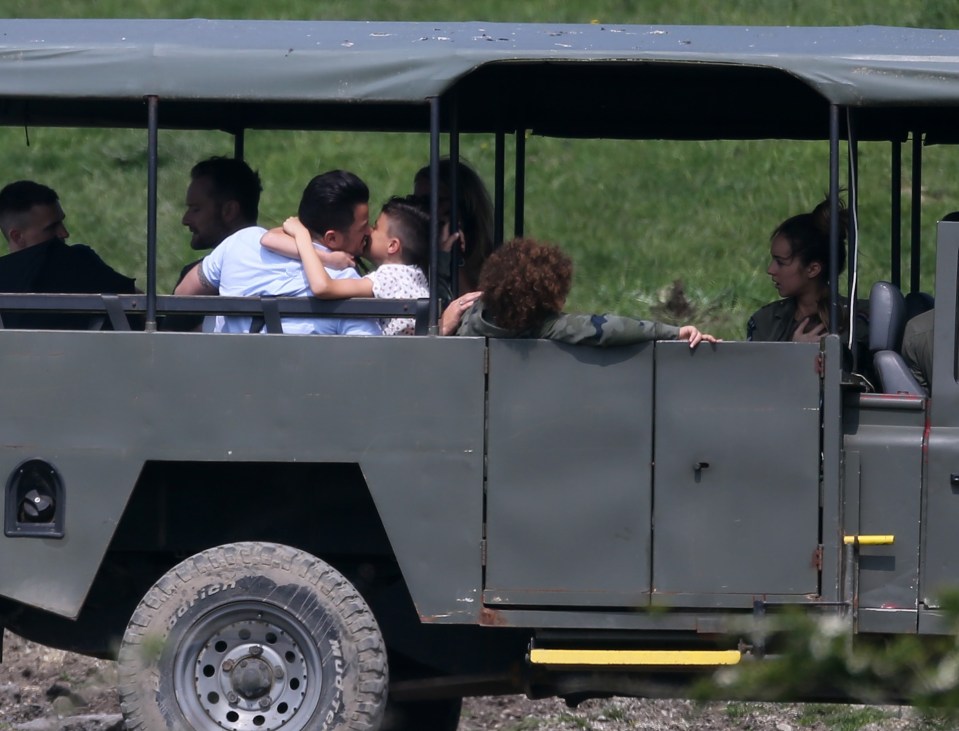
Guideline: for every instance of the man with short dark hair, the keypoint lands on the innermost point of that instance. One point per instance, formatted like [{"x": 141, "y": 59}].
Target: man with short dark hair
[
  {"x": 336, "y": 207},
  {"x": 32, "y": 221},
  {"x": 30, "y": 214},
  {"x": 222, "y": 198}
]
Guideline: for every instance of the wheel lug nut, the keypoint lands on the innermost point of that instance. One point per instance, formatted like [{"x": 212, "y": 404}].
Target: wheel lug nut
[
  {"x": 278, "y": 671},
  {"x": 232, "y": 697},
  {"x": 264, "y": 702},
  {"x": 256, "y": 650},
  {"x": 227, "y": 666}
]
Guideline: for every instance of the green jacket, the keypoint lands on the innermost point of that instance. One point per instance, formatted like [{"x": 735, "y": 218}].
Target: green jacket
[
  {"x": 597, "y": 330},
  {"x": 917, "y": 347},
  {"x": 776, "y": 322}
]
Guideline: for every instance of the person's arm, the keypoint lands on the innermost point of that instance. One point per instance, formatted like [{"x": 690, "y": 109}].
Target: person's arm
[
  {"x": 322, "y": 285},
  {"x": 694, "y": 336},
  {"x": 280, "y": 242},
  {"x": 453, "y": 314},
  {"x": 611, "y": 330},
  {"x": 195, "y": 282}
]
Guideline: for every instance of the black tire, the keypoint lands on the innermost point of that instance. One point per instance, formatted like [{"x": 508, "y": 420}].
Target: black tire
[
  {"x": 437, "y": 715},
  {"x": 252, "y": 636}
]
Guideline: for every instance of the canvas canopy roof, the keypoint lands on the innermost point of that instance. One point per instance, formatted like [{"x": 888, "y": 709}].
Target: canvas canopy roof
[{"x": 569, "y": 80}]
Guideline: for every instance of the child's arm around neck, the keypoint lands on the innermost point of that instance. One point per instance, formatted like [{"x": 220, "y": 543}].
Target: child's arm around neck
[
  {"x": 321, "y": 284},
  {"x": 280, "y": 242}
]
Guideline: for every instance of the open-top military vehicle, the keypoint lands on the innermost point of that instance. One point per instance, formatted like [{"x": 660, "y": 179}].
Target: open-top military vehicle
[{"x": 522, "y": 516}]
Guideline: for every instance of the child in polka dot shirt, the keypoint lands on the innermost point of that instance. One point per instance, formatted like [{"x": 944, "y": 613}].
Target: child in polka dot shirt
[{"x": 399, "y": 246}]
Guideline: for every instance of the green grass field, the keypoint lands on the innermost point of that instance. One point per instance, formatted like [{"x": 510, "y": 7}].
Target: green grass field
[{"x": 636, "y": 216}]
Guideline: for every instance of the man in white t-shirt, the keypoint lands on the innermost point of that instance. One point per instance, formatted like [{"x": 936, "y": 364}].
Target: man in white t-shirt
[{"x": 335, "y": 203}]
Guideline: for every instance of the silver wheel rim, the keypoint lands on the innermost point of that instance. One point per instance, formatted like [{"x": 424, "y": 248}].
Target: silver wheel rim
[{"x": 247, "y": 666}]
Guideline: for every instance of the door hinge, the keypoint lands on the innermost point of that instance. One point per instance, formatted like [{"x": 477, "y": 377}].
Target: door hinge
[
  {"x": 817, "y": 558},
  {"x": 483, "y": 552},
  {"x": 486, "y": 361}
]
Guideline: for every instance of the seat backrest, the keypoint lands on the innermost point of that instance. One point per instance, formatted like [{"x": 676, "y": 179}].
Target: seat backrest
[
  {"x": 887, "y": 321},
  {"x": 894, "y": 375},
  {"x": 887, "y": 317}
]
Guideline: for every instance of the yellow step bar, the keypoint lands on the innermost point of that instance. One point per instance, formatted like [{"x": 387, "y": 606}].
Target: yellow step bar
[
  {"x": 635, "y": 658},
  {"x": 869, "y": 540}
]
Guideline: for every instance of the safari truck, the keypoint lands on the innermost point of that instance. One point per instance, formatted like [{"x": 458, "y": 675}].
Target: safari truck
[{"x": 522, "y": 516}]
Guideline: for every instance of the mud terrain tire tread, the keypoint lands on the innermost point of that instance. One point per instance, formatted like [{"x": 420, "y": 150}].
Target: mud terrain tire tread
[{"x": 145, "y": 652}]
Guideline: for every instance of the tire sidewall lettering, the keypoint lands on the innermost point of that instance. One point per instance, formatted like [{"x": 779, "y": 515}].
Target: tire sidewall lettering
[
  {"x": 204, "y": 592},
  {"x": 335, "y": 662}
]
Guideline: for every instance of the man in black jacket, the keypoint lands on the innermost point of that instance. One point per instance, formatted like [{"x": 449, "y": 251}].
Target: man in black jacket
[{"x": 40, "y": 260}]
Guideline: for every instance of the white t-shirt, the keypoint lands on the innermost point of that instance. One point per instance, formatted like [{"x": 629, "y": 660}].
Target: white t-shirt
[
  {"x": 399, "y": 281},
  {"x": 241, "y": 267}
]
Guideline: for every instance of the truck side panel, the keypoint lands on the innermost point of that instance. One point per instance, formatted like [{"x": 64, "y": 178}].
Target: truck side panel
[
  {"x": 883, "y": 477},
  {"x": 569, "y": 493},
  {"x": 737, "y": 471},
  {"x": 99, "y": 405}
]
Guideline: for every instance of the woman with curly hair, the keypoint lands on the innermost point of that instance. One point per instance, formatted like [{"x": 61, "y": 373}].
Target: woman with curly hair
[{"x": 524, "y": 286}]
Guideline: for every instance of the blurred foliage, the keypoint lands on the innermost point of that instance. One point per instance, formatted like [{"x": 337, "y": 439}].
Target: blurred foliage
[{"x": 818, "y": 657}]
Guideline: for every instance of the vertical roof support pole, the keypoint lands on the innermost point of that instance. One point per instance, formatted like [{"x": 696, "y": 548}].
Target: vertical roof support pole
[
  {"x": 499, "y": 189},
  {"x": 520, "y": 182},
  {"x": 153, "y": 124},
  {"x": 914, "y": 243},
  {"x": 895, "y": 211},
  {"x": 239, "y": 138},
  {"x": 456, "y": 254},
  {"x": 433, "y": 319},
  {"x": 834, "y": 218},
  {"x": 852, "y": 260},
  {"x": 852, "y": 175}
]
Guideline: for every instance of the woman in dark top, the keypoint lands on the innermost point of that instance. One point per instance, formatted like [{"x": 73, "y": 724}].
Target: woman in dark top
[{"x": 799, "y": 268}]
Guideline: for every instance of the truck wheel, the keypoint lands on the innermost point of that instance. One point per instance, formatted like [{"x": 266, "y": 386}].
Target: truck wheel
[
  {"x": 252, "y": 636},
  {"x": 438, "y": 715}
]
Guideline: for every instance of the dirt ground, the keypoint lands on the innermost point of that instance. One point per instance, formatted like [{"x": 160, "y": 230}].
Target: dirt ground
[{"x": 37, "y": 682}]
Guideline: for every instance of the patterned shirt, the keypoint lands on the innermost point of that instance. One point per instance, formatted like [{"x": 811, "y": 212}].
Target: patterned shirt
[{"x": 399, "y": 281}]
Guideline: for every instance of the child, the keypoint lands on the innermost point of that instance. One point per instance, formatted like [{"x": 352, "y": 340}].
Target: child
[{"x": 398, "y": 245}]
